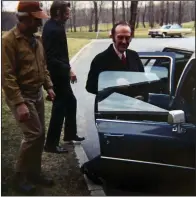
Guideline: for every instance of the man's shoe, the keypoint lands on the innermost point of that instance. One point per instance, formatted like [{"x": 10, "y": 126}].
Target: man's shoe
[
  {"x": 77, "y": 139},
  {"x": 24, "y": 186},
  {"x": 56, "y": 149},
  {"x": 38, "y": 179}
]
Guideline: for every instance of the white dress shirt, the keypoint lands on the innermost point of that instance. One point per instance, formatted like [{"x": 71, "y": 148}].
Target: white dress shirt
[{"x": 118, "y": 53}]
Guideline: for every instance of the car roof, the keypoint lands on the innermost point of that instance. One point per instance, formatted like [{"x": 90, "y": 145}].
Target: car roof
[{"x": 190, "y": 48}]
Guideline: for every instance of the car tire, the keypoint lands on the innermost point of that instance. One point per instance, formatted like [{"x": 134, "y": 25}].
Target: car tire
[
  {"x": 180, "y": 36},
  {"x": 164, "y": 35},
  {"x": 90, "y": 175},
  {"x": 152, "y": 36}
]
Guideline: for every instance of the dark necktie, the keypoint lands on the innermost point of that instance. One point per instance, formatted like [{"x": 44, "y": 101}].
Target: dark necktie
[{"x": 123, "y": 58}]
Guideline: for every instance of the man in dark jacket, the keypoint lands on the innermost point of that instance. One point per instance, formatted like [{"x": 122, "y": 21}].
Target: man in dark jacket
[
  {"x": 115, "y": 58},
  {"x": 65, "y": 103}
]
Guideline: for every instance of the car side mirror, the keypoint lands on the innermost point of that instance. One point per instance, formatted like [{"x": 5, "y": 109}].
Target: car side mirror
[{"x": 176, "y": 117}]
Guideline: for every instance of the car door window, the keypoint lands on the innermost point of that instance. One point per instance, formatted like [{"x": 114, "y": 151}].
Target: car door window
[
  {"x": 136, "y": 92},
  {"x": 186, "y": 91},
  {"x": 181, "y": 59},
  {"x": 129, "y": 92},
  {"x": 161, "y": 66}
]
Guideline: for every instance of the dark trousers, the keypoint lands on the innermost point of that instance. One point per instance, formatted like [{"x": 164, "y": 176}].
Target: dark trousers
[{"x": 64, "y": 108}]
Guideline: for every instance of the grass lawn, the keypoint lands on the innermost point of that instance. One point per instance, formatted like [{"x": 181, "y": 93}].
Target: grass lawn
[
  {"x": 62, "y": 168},
  {"x": 140, "y": 32}
]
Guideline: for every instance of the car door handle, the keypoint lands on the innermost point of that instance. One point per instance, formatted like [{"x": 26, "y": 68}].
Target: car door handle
[{"x": 114, "y": 135}]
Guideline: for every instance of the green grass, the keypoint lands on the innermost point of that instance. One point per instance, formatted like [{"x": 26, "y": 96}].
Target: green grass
[
  {"x": 63, "y": 169},
  {"x": 140, "y": 32},
  {"x": 188, "y": 24},
  {"x": 74, "y": 44}
]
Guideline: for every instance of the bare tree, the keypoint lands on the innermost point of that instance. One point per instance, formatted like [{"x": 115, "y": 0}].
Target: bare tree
[
  {"x": 138, "y": 15},
  {"x": 73, "y": 13},
  {"x": 157, "y": 14},
  {"x": 123, "y": 11},
  {"x": 194, "y": 11},
  {"x": 113, "y": 13},
  {"x": 173, "y": 12},
  {"x": 162, "y": 13},
  {"x": 97, "y": 13},
  {"x": 92, "y": 11},
  {"x": 167, "y": 13},
  {"x": 151, "y": 14},
  {"x": 180, "y": 13},
  {"x": 133, "y": 10},
  {"x": 144, "y": 15},
  {"x": 116, "y": 9},
  {"x": 127, "y": 10}
]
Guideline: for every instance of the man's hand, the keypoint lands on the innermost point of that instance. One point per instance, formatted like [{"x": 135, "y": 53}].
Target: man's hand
[
  {"x": 23, "y": 113},
  {"x": 51, "y": 95},
  {"x": 73, "y": 77}
]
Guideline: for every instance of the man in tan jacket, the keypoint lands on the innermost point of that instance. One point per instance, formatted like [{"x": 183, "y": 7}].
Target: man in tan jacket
[{"x": 24, "y": 72}]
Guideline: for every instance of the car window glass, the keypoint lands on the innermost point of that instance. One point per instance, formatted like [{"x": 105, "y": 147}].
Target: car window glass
[
  {"x": 134, "y": 92},
  {"x": 187, "y": 89},
  {"x": 158, "y": 66},
  {"x": 181, "y": 59},
  {"x": 175, "y": 27}
]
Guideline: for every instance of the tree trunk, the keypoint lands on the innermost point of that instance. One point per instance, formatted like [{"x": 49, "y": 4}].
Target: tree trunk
[
  {"x": 113, "y": 14},
  {"x": 162, "y": 13},
  {"x": 194, "y": 6},
  {"x": 123, "y": 11},
  {"x": 74, "y": 22},
  {"x": 180, "y": 13},
  {"x": 133, "y": 10},
  {"x": 173, "y": 11},
  {"x": 116, "y": 9},
  {"x": 157, "y": 14},
  {"x": 96, "y": 16},
  {"x": 91, "y": 20},
  {"x": 151, "y": 14},
  {"x": 71, "y": 26},
  {"x": 143, "y": 16},
  {"x": 127, "y": 10},
  {"x": 167, "y": 13},
  {"x": 138, "y": 18},
  {"x": 73, "y": 5}
]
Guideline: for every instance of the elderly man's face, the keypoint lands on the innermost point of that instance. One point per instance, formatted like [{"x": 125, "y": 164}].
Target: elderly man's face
[
  {"x": 32, "y": 24},
  {"x": 122, "y": 37}
]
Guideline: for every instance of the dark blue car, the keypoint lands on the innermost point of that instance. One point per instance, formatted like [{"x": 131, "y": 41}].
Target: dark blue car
[{"x": 146, "y": 124}]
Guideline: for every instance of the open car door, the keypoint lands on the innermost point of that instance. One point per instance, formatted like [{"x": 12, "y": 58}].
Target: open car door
[{"x": 135, "y": 137}]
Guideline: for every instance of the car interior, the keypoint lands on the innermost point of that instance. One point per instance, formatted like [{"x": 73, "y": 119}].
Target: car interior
[
  {"x": 187, "y": 95},
  {"x": 181, "y": 59}
]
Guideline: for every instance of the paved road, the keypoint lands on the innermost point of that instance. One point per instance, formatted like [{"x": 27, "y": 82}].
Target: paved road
[{"x": 85, "y": 115}]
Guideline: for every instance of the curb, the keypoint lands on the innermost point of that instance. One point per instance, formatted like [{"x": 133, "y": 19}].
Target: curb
[{"x": 95, "y": 190}]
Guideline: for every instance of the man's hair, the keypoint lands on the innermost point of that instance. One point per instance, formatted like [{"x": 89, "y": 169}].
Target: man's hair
[
  {"x": 58, "y": 6},
  {"x": 124, "y": 23}
]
